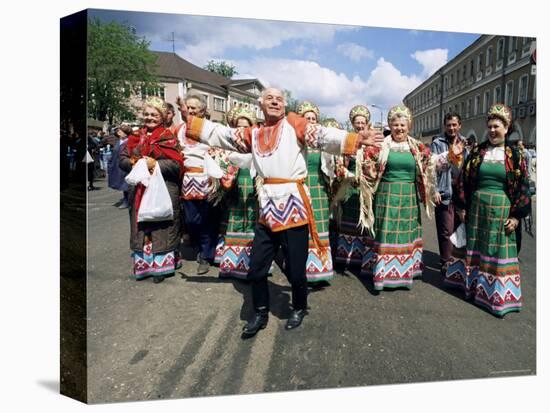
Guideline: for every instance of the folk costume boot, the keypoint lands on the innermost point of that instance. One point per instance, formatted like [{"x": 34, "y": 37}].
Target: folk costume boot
[{"x": 258, "y": 322}]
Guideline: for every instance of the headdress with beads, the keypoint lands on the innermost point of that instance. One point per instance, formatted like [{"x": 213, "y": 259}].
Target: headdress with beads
[
  {"x": 400, "y": 110},
  {"x": 244, "y": 113},
  {"x": 157, "y": 103},
  {"x": 307, "y": 106},
  {"x": 359, "y": 110},
  {"x": 332, "y": 123},
  {"x": 501, "y": 111},
  {"x": 230, "y": 115}
]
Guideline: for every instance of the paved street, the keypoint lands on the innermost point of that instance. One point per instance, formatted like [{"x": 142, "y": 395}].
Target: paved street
[{"x": 181, "y": 338}]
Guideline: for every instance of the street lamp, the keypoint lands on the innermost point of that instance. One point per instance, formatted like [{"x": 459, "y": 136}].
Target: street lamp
[{"x": 374, "y": 105}]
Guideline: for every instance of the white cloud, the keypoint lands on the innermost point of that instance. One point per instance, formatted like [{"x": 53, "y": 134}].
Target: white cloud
[
  {"x": 205, "y": 38},
  {"x": 334, "y": 93},
  {"x": 354, "y": 51},
  {"x": 431, "y": 60}
]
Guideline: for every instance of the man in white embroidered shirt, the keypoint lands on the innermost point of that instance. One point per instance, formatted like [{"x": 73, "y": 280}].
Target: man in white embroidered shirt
[{"x": 279, "y": 150}]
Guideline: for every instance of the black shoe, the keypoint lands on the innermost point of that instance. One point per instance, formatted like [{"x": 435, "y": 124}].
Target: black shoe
[
  {"x": 204, "y": 267},
  {"x": 158, "y": 279},
  {"x": 258, "y": 323},
  {"x": 295, "y": 319}
]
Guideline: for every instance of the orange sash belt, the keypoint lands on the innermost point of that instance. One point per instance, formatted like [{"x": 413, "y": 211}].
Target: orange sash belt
[
  {"x": 310, "y": 217},
  {"x": 193, "y": 169}
]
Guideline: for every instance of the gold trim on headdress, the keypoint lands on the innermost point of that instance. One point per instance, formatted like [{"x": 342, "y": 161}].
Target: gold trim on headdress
[
  {"x": 502, "y": 111},
  {"x": 361, "y": 110},
  {"x": 307, "y": 106},
  {"x": 157, "y": 103},
  {"x": 244, "y": 113},
  {"x": 400, "y": 110},
  {"x": 332, "y": 123},
  {"x": 230, "y": 115}
]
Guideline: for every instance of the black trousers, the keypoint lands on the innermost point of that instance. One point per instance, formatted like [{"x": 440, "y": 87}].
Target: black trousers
[{"x": 294, "y": 242}]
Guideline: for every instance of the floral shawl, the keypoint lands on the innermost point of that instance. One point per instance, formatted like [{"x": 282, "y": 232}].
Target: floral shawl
[
  {"x": 517, "y": 181},
  {"x": 371, "y": 164}
]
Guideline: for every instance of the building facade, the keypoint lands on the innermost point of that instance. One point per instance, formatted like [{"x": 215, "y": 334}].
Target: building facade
[
  {"x": 179, "y": 77},
  {"x": 493, "y": 69}
]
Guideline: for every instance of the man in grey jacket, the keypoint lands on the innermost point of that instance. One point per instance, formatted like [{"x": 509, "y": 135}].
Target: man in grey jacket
[{"x": 447, "y": 175}]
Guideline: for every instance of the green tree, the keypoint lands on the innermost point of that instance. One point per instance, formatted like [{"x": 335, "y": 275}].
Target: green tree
[
  {"x": 221, "y": 68},
  {"x": 120, "y": 64},
  {"x": 291, "y": 103}
]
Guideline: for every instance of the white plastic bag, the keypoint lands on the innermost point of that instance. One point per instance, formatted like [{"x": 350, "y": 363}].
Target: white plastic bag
[
  {"x": 139, "y": 174},
  {"x": 156, "y": 204},
  {"x": 88, "y": 158},
  {"x": 458, "y": 238}
]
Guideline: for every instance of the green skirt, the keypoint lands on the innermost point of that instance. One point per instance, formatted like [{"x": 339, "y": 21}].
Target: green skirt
[
  {"x": 487, "y": 269},
  {"x": 394, "y": 255}
]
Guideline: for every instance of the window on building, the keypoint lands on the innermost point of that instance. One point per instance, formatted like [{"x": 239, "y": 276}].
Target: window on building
[
  {"x": 523, "y": 88},
  {"x": 477, "y": 105},
  {"x": 445, "y": 83},
  {"x": 469, "y": 108},
  {"x": 489, "y": 57},
  {"x": 219, "y": 104},
  {"x": 497, "y": 96},
  {"x": 464, "y": 72},
  {"x": 452, "y": 80},
  {"x": 500, "y": 48},
  {"x": 479, "y": 62},
  {"x": 471, "y": 74},
  {"x": 527, "y": 44},
  {"x": 486, "y": 101},
  {"x": 462, "y": 109},
  {"x": 205, "y": 98},
  {"x": 512, "y": 44},
  {"x": 509, "y": 93}
]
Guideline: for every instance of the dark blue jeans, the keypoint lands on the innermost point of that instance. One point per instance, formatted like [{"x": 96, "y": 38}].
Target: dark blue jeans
[{"x": 202, "y": 222}]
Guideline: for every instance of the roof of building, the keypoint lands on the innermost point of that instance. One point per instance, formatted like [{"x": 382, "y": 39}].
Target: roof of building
[{"x": 171, "y": 65}]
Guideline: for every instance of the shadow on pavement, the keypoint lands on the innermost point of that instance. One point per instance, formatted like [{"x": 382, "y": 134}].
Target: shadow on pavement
[{"x": 432, "y": 274}]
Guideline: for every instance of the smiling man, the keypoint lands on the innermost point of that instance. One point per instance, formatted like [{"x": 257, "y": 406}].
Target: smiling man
[
  {"x": 279, "y": 150},
  {"x": 446, "y": 219}
]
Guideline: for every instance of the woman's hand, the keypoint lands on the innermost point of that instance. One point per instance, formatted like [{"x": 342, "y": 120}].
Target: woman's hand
[
  {"x": 461, "y": 214},
  {"x": 151, "y": 162},
  {"x": 510, "y": 225}
]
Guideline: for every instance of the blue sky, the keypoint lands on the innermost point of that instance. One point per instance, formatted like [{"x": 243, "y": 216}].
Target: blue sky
[{"x": 335, "y": 66}]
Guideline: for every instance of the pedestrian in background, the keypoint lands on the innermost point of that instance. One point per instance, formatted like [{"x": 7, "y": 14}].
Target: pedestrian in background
[{"x": 115, "y": 176}]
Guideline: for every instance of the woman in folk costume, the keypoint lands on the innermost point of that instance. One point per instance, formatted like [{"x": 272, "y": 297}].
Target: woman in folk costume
[
  {"x": 395, "y": 178},
  {"x": 493, "y": 196},
  {"x": 318, "y": 268},
  {"x": 233, "y": 251},
  {"x": 352, "y": 240},
  {"x": 330, "y": 172},
  {"x": 154, "y": 244}
]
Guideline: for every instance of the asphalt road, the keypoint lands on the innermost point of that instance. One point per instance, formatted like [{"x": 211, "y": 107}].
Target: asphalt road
[{"x": 182, "y": 338}]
